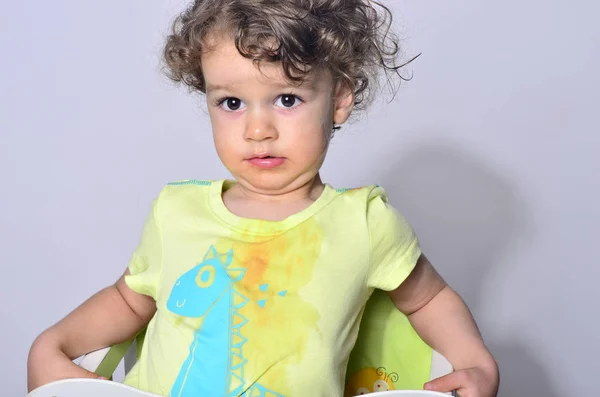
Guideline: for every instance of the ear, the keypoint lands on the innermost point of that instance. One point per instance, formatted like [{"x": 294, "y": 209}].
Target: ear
[
  {"x": 226, "y": 258},
  {"x": 212, "y": 253},
  {"x": 343, "y": 103}
]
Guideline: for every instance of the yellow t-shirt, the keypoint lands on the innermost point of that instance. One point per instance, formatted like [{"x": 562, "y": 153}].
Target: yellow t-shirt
[{"x": 260, "y": 308}]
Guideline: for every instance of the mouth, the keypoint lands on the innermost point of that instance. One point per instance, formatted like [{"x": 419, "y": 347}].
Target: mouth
[
  {"x": 266, "y": 161},
  {"x": 262, "y": 156}
]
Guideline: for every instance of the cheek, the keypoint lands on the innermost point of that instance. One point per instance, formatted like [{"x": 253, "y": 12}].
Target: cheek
[
  {"x": 218, "y": 123},
  {"x": 225, "y": 147},
  {"x": 310, "y": 123},
  {"x": 311, "y": 145},
  {"x": 317, "y": 124},
  {"x": 224, "y": 134}
]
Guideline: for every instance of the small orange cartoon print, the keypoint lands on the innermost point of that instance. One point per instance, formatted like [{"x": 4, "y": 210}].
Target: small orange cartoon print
[{"x": 370, "y": 380}]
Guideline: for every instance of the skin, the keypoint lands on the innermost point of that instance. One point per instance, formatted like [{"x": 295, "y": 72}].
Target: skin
[{"x": 256, "y": 112}]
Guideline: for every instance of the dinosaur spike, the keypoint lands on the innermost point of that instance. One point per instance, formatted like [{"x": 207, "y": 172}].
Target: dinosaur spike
[
  {"x": 237, "y": 392},
  {"x": 239, "y": 300},
  {"x": 238, "y": 320},
  {"x": 237, "y": 373},
  {"x": 226, "y": 258},
  {"x": 237, "y": 361},
  {"x": 238, "y": 340},
  {"x": 211, "y": 253},
  {"x": 236, "y": 350},
  {"x": 236, "y": 274},
  {"x": 236, "y": 382},
  {"x": 256, "y": 392}
]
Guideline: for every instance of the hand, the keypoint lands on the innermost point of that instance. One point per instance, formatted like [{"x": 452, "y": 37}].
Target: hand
[
  {"x": 470, "y": 382},
  {"x": 47, "y": 365}
]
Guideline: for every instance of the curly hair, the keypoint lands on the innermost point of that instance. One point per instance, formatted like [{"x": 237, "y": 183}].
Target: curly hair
[{"x": 350, "y": 38}]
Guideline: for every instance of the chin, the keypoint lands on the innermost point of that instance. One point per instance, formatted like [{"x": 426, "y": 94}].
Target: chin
[{"x": 270, "y": 182}]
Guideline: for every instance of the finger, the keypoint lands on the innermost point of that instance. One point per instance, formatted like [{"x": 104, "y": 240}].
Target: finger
[{"x": 446, "y": 383}]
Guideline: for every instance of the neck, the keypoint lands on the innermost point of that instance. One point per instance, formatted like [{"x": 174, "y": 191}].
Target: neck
[
  {"x": 310, "y": 191},
  {"x": 245, "y": 202}
]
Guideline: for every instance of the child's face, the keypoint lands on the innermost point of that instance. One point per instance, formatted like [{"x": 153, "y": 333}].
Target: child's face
[{"x": 257, "y": 113}]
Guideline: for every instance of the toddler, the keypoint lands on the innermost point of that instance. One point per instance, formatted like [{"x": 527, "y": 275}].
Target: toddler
[{"x": 256, "y": 285}]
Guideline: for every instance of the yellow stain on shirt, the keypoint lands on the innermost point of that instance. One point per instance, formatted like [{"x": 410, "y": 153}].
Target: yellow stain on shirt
[{"x": 279, "y": 319}]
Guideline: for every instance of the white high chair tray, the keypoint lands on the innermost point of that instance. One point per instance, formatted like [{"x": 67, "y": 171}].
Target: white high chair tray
[
  {"x": 87, "y": 388},
  {"x": 105, "y": 388}
]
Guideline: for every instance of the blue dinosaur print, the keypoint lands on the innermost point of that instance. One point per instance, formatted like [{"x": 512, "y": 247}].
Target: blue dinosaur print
[{"x": 215, "y": 364}]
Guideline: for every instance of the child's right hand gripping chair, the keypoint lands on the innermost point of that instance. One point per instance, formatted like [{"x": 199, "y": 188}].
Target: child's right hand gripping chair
[{"x": 389, "y": 359}]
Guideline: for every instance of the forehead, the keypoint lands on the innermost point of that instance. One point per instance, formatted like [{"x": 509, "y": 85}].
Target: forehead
[{"x": 224, "y": 67}]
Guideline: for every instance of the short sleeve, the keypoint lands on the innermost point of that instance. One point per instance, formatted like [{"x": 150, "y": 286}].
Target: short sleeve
[
  {"x": 394, "y": 247},
  {"x": 146, "y": 262}
]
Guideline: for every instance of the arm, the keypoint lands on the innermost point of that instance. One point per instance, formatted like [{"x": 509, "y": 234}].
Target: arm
[
  {"x": 111, "y": 316},
  {"x": 442, "y": 320}
]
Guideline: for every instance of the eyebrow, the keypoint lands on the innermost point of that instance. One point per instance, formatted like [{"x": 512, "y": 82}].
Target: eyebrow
[
  {"x": 308, "y": 83},
  {"x": 214, "y": 87}
]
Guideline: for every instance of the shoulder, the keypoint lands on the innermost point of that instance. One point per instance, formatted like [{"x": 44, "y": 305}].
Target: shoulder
[
  {"x": 186, "y": 186},
  {"x": 366, "y": 195},
  {"x": 370, "y": 203},
  {"x": 189, "y": 183},
  {"x": 183, "y": 194},
  {"x": 375, "y": 202}
]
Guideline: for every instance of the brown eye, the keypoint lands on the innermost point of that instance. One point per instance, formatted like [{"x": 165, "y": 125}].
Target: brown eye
[
  {"x": 288, "y": 101},
  {"x": 233, "y": 103}
]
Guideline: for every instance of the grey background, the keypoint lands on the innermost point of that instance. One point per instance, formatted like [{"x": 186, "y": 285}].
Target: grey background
[{"x": 491, "y": 151}]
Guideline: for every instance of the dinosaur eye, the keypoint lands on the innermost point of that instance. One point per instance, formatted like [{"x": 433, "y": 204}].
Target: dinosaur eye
[
  {"x": 205, "y": 276},
  {"x": 362, "y": 390}
]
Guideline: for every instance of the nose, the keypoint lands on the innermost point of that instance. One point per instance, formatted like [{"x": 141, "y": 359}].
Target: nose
[{"x": 259, "y": 126}]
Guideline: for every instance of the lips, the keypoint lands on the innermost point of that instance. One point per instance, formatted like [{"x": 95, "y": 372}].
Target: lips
[{"x": 266, "y": 161}]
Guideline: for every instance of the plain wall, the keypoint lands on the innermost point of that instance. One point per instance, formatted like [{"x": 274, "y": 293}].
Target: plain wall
[{"x": 491, "y": 151}]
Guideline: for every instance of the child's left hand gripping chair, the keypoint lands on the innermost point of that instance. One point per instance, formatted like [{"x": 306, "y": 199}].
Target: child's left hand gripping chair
[{"x": 389, "y": 360}]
